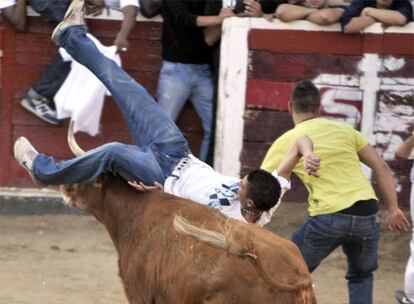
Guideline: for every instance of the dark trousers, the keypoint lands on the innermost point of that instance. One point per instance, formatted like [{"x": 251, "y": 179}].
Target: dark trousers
[{"x": 53, "y": 12}]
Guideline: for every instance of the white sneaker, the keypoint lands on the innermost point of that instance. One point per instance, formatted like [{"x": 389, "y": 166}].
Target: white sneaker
[
  {"x": 73, "y": 16},
  {"x": 25, "y": 154}
]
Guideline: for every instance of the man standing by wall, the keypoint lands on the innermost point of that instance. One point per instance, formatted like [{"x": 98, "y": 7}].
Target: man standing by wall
[
  {"x": 342, "y": 204},
  {"x": 186, "y": 71},
  {"x": 406, "y": 296}
]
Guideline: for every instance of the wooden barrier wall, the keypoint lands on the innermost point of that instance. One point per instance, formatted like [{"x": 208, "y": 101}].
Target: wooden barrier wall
[{"x": 366, "y": 80}]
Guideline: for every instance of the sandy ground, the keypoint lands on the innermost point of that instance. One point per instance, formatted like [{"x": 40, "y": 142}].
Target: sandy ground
[{"x": 71, "y": 259}]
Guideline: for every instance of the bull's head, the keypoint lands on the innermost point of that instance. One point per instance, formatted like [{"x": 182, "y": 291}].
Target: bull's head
[{"x": 88, "y": 196}]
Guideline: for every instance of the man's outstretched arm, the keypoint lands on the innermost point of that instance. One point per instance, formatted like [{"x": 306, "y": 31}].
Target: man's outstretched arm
[
  {"x": 128, "y": 23},
  {"x": 397, "y": 220}
]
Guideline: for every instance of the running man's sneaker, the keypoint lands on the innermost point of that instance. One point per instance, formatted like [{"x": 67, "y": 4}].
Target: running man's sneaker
[
  {"x": 73, "y": 16},
  {"x": 39, "y": 106},
  {"x": 25, "y": 154},
  {"x": 402, "y": 297}
]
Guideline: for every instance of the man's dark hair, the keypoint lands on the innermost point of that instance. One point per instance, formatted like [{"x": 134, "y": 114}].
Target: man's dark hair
[
  {"x": 263, "y": 189},
  {"x": 305, "y": 97}
]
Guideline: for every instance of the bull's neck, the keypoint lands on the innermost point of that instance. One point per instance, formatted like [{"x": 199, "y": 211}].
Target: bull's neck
[{"x": 121, "y": 215}]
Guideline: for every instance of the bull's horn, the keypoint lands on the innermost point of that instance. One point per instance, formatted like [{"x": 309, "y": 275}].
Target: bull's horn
[{"x": 73, "y": 145}]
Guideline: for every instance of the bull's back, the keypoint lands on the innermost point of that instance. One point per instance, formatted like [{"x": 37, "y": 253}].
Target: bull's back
[{"x": 166, "y": 266}]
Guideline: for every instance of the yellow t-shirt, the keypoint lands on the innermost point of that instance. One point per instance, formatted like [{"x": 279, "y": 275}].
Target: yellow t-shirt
[{"x": 341, "y": 181}]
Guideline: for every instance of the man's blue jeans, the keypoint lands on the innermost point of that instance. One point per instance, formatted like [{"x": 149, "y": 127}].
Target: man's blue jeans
[
  {"x": 180, "y": 82},
  {"x": 158, "y": 145},
  {"x": 358, "y": 236}
]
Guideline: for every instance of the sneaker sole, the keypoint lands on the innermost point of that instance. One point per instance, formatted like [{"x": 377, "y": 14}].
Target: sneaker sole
[
  {"x": 30, "y": 109},
  {"x": 57, "y": 32}
]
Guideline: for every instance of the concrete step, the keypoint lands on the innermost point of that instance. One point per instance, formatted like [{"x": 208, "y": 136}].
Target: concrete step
[{"x": 33, "y": 201}]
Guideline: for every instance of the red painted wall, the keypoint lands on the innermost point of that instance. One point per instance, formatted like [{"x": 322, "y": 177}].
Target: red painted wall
[{"x": 25, "y": 56}]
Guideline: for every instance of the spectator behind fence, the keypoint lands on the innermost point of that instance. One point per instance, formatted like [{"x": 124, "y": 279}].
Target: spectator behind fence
[
  {"x": 406, "y": 296},
  {"x": 362, "y": 13},
  {"x": 15, "y": 13},
  {"x": 321, "y": 12},
  {"x": 39, "y": 99},
  {"x": 186, "y": 71},
  {"x": 212, "y": 35}
]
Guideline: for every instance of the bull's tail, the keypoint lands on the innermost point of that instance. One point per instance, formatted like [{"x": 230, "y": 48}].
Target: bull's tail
[
  {"x": 306, "y": 296},
  {"x": 226, "y": 242},
  {"x": 214, "y": 238}
]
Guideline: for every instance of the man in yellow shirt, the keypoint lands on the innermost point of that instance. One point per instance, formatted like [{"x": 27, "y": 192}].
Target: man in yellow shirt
[{"x": 343, "y": 208}]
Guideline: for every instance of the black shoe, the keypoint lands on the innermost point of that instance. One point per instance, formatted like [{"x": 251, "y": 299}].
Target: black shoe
[
  {"x": 39, "y": 106},
  {"x": 73, "y": 16},
  {"x": 402, "y": 297}
]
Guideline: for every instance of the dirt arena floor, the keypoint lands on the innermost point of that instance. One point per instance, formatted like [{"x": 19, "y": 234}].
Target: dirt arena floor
[{"x": 70, "y": 259}]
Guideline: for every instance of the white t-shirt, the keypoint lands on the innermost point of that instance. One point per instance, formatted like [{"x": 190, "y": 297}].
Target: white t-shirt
[
  {"x": 7, "y": 3},
  {"x": 195, "y": 180},
  {"x": 119, "y": 4}
]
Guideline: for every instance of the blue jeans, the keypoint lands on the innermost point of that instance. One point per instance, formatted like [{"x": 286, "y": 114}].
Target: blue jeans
[
  {"x": 52, "y": 79},
  {"x": 179, "y": 82},
  {"x": 158, "y": 145},
  {"x": 358, "y": 236}
]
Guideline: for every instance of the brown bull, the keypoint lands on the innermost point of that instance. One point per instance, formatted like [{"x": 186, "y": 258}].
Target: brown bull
[
  {"x": 165, "y": 259},
  {"x": 172, "y": 250}
]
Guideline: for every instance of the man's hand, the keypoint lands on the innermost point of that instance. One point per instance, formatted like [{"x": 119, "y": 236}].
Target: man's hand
[
  {"x": 397, "y": 221},
  {"x": 121, "y": 43},
  {"x": 311, "y": 164},
  {"x": 140, "y": 186},
  {"x": 226, "y": 12},
  {"x": 253, "y": 8},
  {"x": 94, "y": 7}
]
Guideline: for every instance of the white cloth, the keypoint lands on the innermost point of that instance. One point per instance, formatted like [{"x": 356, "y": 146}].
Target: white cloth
[
  {"x": 119, "y": 4},
  {"x": 7, "y": 3},
  {"x": 82, "y": 94},
  {"x": 193, "y": 179}
]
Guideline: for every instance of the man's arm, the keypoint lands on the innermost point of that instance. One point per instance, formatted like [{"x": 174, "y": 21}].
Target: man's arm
[
  {"x": 351, "y": 20},
  {"x": 302, "y": 147},
  {"x": 397, "y": 220},
  {"x": 203, "y": 21},
  {"x": 386, "y": 16},
  {"x": 357, "y": 24},
  {"x": 406, "y": 148},
  {"x": 212, "y": 33},
  {"x": 16, "y": 15},
  {"x": 184, "y": 17},
  {"x": 326, "y": 16},
  {"x": 128, "y": 23},
  {"x": 291, "y": 12}
]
